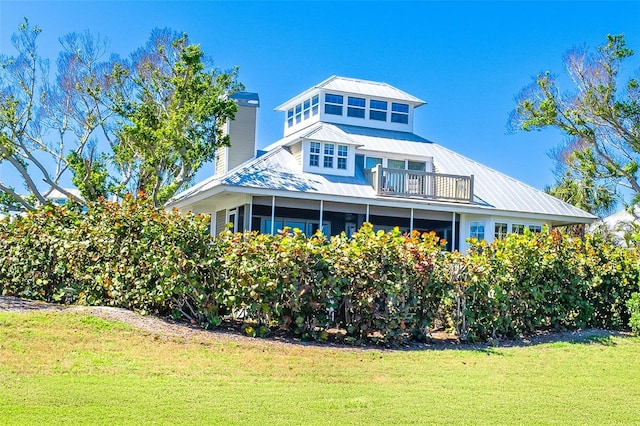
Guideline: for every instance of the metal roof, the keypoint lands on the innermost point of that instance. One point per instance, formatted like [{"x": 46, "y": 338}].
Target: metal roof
[
  {"x": 491, "y": 188},
  {"x": 246, "y": 99},
  {"x": 357, "y": 87},
  {"x": 278, "y": 170}
]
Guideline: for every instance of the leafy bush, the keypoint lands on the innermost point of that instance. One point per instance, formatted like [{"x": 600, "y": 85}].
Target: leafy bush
[
  {"x": 129, "y": 255},
  {"x": 634, "y": 309},
  {"x": 380, "y": 287},
  {"x": 385, "y": 283},
  {"x": 281, "y": 279}
]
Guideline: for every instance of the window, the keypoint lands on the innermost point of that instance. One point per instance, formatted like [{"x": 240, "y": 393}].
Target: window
[
  {"x": 477, "y": 230},
  {"x": 327, "y": 160},
  {"x": 333, "y": 104},
  {"x": 371, "y": 162},
  {"x": 378, "y": 110},
  {"x": 332, "y": 156},
  {"x": 309, "y": 227},
  {"x": 302, "y": 111},
  {"x": 535, "y": 228},
  {"x": 399, "y": 113},
  {"x": 314, "y": 156},
  {"x": 356, "y": 107},
  {"x": 395, "y": 164},
  {"x": 298, "y": 113},
  {"x": 418, "y": 166},
  {"x": 290, "y": 117},
  {"x": 306, "y": 108},
  {"x": 517, "y": 228},
  {"x": 343, "y": 153},
  {"x": 500, "y": 231}
]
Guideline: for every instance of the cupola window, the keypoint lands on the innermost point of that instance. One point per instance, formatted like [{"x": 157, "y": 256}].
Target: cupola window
[
  {"x": 333, "y": 104},
  {"x": 356, "y": 107},
  {"x": 399, "y": 113},
  {"x": 378, "y": 110}
]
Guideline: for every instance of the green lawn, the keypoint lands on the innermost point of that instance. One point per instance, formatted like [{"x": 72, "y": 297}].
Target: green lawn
[{"x": 66, "y": 368}]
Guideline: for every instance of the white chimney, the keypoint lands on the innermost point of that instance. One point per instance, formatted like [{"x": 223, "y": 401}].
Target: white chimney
[{"x": 242, "y": 134}]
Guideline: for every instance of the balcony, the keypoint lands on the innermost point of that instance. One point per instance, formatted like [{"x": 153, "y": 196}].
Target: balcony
[{"x": 416, "y": 184}]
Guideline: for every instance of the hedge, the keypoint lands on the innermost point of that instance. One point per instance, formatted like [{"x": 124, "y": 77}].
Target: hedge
[{"x": 379, "y": 287}]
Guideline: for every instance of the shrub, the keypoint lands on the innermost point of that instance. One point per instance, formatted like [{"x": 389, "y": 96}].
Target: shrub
[
  {"x": 282, "y": 279},
  {"x": 375, "y": 286},
  {"x": 129, "y": 255},
  {"x": 385, "y": 283}
]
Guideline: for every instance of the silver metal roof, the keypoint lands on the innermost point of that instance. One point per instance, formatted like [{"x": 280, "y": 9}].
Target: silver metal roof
[
  {"x": 278, "y": 170},
  {"x": 357, "y": 87},
  {"x": 491, "y": 188},
  {"x": 367, "y": 88},
  {"x": 246, "y": 99}
]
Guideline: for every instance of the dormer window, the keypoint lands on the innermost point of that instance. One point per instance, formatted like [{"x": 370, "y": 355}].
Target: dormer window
[
  {"x": 327, "y": 161},
  {"x": 333, "y": 104},
  {"x": 343, "y": 153},
  {"x": 356, "y": 107},
  {"x": 314, "y": 154},
  {"x": 314, "y": 105},
  {"x": 329, "y": 157},
  {"x": 399, "y": 113},
  {"x": 377, "y": 110}
]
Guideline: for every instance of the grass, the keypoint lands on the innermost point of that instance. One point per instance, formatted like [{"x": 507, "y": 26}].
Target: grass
[{"x": 77, "y": 369}]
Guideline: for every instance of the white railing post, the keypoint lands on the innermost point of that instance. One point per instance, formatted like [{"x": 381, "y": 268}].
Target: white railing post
[{"x": 379, "y": 178}]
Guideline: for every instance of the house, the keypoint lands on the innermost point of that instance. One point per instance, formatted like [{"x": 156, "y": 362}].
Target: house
[
  {"x": 348, "y": 156},
  {"x": 57, "y": 197},
  {"x": 619, "y": 224}
]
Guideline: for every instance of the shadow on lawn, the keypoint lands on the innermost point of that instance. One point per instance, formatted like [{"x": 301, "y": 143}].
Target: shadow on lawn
[{"x": 233, "y": 331}]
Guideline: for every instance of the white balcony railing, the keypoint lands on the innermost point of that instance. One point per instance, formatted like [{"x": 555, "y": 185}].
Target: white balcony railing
[{"x": 416, "y": 184}]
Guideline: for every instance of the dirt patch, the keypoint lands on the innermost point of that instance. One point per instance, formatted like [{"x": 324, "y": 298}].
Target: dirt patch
[{"x": 169, "y": 328}]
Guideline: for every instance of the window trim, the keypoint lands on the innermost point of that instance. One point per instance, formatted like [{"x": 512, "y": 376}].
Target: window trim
[
  {"x": 356, "y": 107},
  {"x": 290, "y": 117},
  {"x": 378, "y": 110},
  {"x": 478, "y": 224},
  {"x": 329, "y": 156},
  {"x": 399, "y": 113},
  {"x": 498, "y": 234},
  {"x": 333, "y": 104},
  {"x": 342, "y": 155}
]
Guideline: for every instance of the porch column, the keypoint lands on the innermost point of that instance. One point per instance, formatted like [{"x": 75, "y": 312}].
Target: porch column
[
  {"x": 367, "y": 219},
  {"x": 453, "y": 232},
  {"x": 273, "y": 214},
  {"x": 321, "y": 213},
  {"x": 250, "y": 213},
  {"x": 411, "y": 222}
]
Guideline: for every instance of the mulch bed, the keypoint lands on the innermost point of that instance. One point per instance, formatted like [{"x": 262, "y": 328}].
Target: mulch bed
[{"x": 230, "y": 331}]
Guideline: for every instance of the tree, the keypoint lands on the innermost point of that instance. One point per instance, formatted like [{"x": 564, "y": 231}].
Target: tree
[
  {"x": 584, "y": 193},
  {"x": 601, "y": 119},
  {"x": 175, "y": 119},
  {"x": 40, "y": 122},
  {"x": 142, "y": 124}
]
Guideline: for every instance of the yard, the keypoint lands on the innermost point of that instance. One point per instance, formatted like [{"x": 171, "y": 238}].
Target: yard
[{"x": 77, "y": 368}]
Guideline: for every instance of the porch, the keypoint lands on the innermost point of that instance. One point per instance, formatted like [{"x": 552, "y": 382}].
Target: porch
[
  {"x": 419, "y": 184},
  {"x": 271, "y": 214}
]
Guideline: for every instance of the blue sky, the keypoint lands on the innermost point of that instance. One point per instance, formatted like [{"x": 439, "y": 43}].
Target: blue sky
[{"x": 467, "y": 60}]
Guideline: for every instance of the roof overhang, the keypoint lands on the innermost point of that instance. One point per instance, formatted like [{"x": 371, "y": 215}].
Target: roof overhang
[{"x": 393, "y": 202}]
